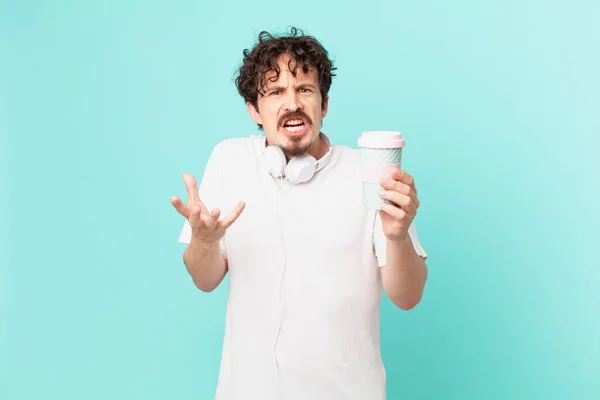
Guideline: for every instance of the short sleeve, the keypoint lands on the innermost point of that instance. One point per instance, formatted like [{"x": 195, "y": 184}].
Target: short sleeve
[
  {"x": 211, "y": 193},
  {"x": 380, "y": 241}
]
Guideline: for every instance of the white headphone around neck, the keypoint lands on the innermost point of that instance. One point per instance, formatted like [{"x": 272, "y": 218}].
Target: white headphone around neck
[{"x": 299, "y": 169}]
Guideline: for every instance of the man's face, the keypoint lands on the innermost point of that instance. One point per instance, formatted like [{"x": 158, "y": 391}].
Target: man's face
[{"x": 290, "y": 110}]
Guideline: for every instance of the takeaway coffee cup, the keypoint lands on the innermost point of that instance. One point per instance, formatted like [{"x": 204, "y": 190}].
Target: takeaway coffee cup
[{"x": 380, "y": 153}]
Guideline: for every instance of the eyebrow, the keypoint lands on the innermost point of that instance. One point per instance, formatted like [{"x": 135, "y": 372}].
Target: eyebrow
[
  {"x": 273, "y": 88},
  {"x": 300, "y": 86}
]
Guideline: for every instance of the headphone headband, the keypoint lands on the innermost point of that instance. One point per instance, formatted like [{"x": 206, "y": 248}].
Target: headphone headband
[{"x": 321, "y": 163}]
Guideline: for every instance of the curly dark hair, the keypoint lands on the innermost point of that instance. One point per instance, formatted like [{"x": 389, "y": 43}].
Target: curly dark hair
[{"x": 304, "y": 51}]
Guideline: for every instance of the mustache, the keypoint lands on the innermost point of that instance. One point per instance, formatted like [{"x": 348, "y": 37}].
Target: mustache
[{"x": 295, "y": 114}]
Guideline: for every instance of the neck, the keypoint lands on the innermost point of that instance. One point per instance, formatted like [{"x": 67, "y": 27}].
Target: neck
[{"x": 318, "y": 149}]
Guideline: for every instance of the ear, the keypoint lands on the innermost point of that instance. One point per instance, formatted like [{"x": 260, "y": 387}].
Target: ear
[
  {"x": 325, "y": 107},
  {"x": 254, "y": 114}
]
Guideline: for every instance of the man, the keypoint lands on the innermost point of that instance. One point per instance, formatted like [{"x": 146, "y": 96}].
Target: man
[{"x": 307, "y": 260}]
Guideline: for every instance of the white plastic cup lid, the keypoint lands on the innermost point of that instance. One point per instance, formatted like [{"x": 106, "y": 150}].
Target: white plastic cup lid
[{"x": 381, "y": 140}]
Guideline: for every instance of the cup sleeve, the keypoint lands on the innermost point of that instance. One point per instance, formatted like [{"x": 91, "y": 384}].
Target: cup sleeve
[
  {"x": 380, "y": 241},
  {"x": 211, "y": 193}
]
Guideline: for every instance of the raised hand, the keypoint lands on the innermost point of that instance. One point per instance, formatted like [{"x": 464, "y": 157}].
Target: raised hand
[{"x": 207, "y": 228}]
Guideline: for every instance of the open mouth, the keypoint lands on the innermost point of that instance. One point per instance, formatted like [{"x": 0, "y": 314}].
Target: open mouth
[{"x": 295, "y": 126}]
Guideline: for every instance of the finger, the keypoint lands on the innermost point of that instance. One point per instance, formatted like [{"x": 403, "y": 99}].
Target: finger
[
  {"x": 402, "y": 188},
  {"x": 192, "y": 188},
  {"x": 405, "y": 178},
  {"x": 395, "y": 212},
  {"x": 180, "y": 207},
  {"x": 404, "y": 201},
  {"x": 195, "y": 218},
  {"x": 233, "y": 216},
  {"x": 212, "y": 219},
  {"x": 396, "y": 186},
  {"x": 406, "y": 190}
]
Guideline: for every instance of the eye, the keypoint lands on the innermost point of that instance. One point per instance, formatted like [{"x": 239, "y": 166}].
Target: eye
[
  {"x": 304, "y": 90},
  {"x": 275, "y": 92}
]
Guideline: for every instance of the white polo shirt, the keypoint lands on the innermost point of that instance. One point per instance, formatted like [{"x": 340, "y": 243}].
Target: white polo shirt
[{"x": 302, "y": 317}]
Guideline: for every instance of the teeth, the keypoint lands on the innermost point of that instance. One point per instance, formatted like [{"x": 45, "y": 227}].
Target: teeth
[
  {"x": 294, "y": 122},
  {"x": 294, "y": 129}
]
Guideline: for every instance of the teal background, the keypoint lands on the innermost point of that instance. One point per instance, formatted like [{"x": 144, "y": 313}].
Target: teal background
[{"x": 104, "y": 104}]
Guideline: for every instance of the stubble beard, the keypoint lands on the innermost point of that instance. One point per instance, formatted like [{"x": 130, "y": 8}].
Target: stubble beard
[{"x": 296, "y": 147}]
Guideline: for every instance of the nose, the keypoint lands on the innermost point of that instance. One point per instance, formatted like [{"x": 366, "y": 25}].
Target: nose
[{"x": 292, "y": 103}]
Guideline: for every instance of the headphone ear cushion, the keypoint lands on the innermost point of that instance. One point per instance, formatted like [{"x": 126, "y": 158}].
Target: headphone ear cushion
[
  {"x": 300, "y": 169},
  {"x": 275, "y": 161}
]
